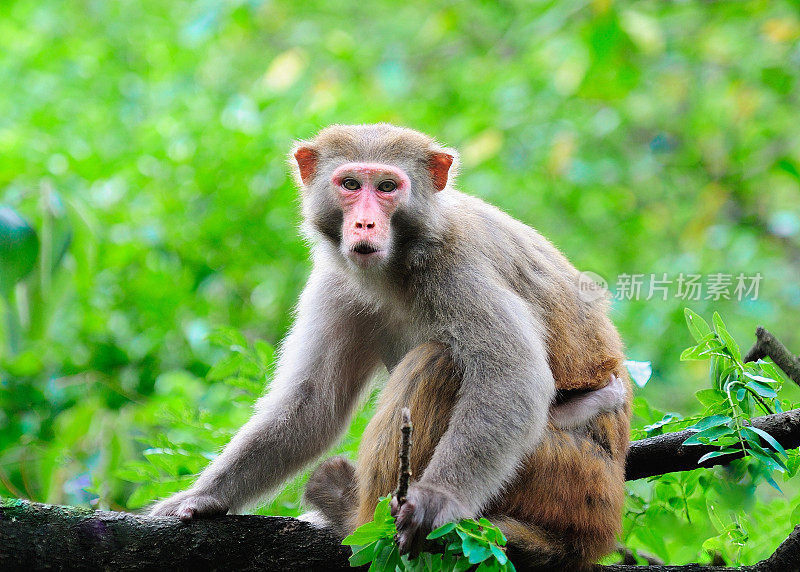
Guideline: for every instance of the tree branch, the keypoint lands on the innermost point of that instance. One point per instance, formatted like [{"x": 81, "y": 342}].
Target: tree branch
[
  {"x": 36, "y": 536},
  {"x": 768, "y": 345},
  {"x": 786, "y": 558},
  {"x": 667, "y": 454}
]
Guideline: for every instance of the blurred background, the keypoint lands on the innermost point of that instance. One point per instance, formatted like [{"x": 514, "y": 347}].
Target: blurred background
[{"x": 146, "y": 201}]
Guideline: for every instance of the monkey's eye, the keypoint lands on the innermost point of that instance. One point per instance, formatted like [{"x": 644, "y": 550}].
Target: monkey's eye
[
  {"x": 351, "y": 184},
  {"x": 387, "y": 186}
]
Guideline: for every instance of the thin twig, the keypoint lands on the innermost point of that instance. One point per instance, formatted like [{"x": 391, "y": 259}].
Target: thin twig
[
  {"x": 405, "y": 465},
  {"x": 767, "y": 345}
]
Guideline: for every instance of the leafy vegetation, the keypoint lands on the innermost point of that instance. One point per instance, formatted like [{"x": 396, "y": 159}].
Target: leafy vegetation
[
  {"x": 717, "y": 503},
  {"x": 740, "y": 390},
  {"x": 463, "y": 545},
  {"x": 144, "y": 145}
]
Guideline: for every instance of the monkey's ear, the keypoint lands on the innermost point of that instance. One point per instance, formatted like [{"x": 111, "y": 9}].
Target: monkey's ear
[
  {"x": 439, "y": 164},
  {"x": 306, "y": 158}
]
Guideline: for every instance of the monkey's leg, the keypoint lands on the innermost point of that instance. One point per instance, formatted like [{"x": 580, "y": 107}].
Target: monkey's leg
[
  {"x": 427, "y": 382},
  {"x": 564, "y": 508}
]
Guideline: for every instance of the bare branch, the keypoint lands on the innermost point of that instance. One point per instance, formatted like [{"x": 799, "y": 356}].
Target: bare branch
[
  {"x": 405, "y": 464},
  {"x": 768, "y": 345}
]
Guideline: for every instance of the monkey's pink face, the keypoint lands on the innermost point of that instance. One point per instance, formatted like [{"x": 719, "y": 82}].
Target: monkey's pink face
[{"x": 369, "y": 194}]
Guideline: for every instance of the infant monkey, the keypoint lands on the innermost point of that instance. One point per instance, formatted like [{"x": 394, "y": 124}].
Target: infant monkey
[{"x": 516, "y": 383}]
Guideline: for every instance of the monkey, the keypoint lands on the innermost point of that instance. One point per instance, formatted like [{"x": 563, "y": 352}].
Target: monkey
[{"x": 515, "y": 382}]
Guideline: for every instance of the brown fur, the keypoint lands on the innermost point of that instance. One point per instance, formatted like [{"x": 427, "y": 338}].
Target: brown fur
[{"x": 427, "y": 381}]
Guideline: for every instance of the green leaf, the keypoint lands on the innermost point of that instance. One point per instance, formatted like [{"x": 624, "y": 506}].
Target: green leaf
[
  {"x": 655, "y": 428},
  {"x": 498, "y": 553},
  {"x": 490, "y": 565},
  {"x": 19, "y": 248},
  {"x": 759, "y": 378},
  {"x": 768, "y": 438},
  {"x": 761, "y": 389},
  {"x": 478, "y": 553},
  {"x": 383, "y": 509},
  {"x": 383, "y": 562},
  {"x": 227, "y": 338},
  {"x": 767, "y": 456},
  {"x": 772, "y": 483},
  {"x": 772, "y": 370},
  {"x": 709, "y": 435},
  {"x": 226, "y": 367},
  {"x": 720, "y": 453},
  {"x": 381, "y": 527},
  {"x": 712, "y": 421},
  {"x": 364, "y": 534},
  {"x": 710, "y": 397},
  {"x": 730, "y": 343},
  {"x": 698, "y": 327},
  {"x": 694, "y": 353},
  {"x": 728, "y": 373},
  {"x": 363, "y": 554},
  {"x": 442, "y": 530}
]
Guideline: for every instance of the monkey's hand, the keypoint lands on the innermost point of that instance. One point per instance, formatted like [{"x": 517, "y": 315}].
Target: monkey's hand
[
  {"x": 188, "y": 505},
  {"x": 427, "y": 507}
]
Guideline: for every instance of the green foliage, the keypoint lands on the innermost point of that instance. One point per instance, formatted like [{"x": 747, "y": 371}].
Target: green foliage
[
  {"x": 181, "y": 440},
  {"x": 19, "y": 247},
  {"x": 722, "y": 505},
  {"x": 739, "y": 391},
  {"x": 463, "y": 545}
]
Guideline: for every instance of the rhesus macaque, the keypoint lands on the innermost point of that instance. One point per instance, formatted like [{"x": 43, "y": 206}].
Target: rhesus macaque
[{"x": 516, "y": 384}]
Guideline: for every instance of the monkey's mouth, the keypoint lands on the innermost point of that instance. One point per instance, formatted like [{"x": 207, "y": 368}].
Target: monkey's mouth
[
  {"x": 364, "y": 248},
  {"x": 365, "y": 254}
]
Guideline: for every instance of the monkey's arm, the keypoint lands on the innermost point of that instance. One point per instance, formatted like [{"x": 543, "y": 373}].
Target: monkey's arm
[
  {"x": 323, "y": 366},
  {"x": 500, "y": 415}
]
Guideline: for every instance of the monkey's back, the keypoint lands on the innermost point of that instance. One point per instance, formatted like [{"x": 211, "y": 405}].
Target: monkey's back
[{"x": 584, "y": 347}]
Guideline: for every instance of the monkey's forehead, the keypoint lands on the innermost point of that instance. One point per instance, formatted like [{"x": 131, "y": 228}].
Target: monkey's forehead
[{"x": 371, "y": 142}]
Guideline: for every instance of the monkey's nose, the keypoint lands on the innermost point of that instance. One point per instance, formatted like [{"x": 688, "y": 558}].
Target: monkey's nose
[{"x": 364, "y": 224}]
